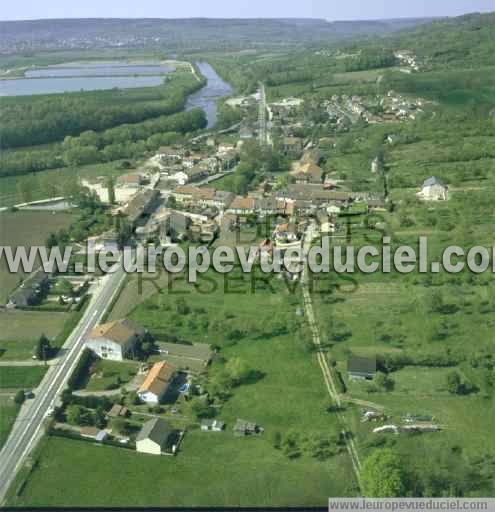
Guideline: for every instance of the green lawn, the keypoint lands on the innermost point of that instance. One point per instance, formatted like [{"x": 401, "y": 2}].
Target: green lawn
[
  {"x": 23, "y": 377},
  {"x": 8, "y": 413},
  {"x": 110, "y": 374},
  {"x": 211, "y": 470}
]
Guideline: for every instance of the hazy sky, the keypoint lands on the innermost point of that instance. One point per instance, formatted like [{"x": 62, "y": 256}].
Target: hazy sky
[{"x": 329, "y": 9}]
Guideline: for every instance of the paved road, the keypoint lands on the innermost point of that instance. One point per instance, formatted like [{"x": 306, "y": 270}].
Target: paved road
[{"x": 28, "y": 426}]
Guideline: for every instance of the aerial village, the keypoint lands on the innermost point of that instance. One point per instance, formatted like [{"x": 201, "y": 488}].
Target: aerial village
[{"x": 171, "y": 198}]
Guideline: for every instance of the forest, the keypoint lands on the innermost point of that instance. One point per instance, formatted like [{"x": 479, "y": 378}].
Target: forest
[{"x": 33, "y": 120}]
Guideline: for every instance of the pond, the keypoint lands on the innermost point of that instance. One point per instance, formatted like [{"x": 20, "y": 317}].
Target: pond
[{"x": 85, "y": 76}]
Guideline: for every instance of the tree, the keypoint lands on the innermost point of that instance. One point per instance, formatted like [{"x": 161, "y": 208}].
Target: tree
[
  {"x": 201, "y": 409},
  {"x": 19, "y": 397},
  {"x": 74, "y": 414},
  {"x": 100, "y": 417},
  {"x": 120, "y": 425},
  {"x": 384, "y": 382},
  {"x": 25, "y": 189},
  {"x": 383, "y": 475},
  {"x": 238, "y": 370},
  {"x": 276, "y": 439},
  {"x": 111, "y": 189},
  {"x": 42, "y": 349}
]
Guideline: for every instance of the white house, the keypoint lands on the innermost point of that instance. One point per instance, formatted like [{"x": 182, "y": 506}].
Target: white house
[
  {"x": 114, "y": 340},
  {"x": 433, "y": 189},
  {"x": 156, "y": 383},
  {"x": 154, "y": 437}
]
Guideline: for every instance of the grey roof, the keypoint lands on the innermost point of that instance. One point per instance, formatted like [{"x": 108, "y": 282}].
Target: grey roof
[
  {"x": 156, "y": 430},
  {"x": 357, "y": 364},
  {"x": 433, "y": 180}
]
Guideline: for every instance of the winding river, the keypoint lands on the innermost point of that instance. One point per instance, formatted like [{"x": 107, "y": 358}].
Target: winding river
[{"x": 207, "y": 97}]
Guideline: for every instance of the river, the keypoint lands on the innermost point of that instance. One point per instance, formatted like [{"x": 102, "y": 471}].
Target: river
[{"x": 207, "y": 97}]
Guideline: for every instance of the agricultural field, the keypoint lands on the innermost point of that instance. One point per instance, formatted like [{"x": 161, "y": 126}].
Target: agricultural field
[
  {"x": 25, "y": 228},
  {"x": 21, "y": 377}
]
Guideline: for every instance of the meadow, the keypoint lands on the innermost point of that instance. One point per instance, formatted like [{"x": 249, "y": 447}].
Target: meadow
[{"x": 22, "y": 377}]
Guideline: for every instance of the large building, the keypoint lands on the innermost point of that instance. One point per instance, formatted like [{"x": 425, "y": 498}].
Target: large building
[
  {"x": 157, "y": 382},
  {"x": 154, "y": 438},
  {"x": 115, "y": 340}
]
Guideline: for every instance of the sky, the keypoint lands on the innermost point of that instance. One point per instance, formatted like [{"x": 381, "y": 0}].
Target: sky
[{"x": 328, "y": 9}]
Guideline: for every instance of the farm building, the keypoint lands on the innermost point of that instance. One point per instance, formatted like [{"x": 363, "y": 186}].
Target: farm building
[
  {"x": 361, "y": 368},
  {"x": 212, "y": 426}
]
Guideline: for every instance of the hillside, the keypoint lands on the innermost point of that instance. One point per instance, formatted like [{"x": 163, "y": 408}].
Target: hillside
[{"x": 182, "y": 33}]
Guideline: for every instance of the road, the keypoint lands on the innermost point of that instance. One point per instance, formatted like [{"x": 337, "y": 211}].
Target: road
[
  {"x": 328, "y": 377},
  {"x": 28, "y": 426},
  {"x": 263, "y": 131}
]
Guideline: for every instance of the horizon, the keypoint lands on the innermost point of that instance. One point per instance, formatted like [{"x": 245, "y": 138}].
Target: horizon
[{"x": 353, "y": 10}]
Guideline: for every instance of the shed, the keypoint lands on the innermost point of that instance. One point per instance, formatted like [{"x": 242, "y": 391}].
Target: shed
[{"x": 361, "y": 368}]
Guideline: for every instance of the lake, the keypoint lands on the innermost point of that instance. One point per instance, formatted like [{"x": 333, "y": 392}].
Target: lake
[
  {"x": 87, "y": 77},
  {"x": 207, "y": 97}
]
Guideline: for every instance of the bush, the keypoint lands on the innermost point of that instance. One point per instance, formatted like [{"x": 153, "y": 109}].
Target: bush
[{"x": 81, "y": 369}]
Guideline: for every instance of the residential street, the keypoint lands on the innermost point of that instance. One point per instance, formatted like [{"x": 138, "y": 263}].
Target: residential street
[{"x": 28, "y": 426}]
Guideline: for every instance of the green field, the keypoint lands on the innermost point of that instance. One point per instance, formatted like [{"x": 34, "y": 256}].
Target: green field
[
  {"x": 22, "y": 377},
  {"x": 9, "y": 186},
  {"x": 8, "y": 413},
  {"x": 107, "y": 375},
  {"x": 248, "y": 472},
  {"x": 25, "y": 228}
]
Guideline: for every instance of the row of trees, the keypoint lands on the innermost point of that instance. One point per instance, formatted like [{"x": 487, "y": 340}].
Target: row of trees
[{"x": 123, "y": 142}]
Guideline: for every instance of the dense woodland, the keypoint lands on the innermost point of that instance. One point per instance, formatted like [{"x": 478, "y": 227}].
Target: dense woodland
[{"x": 33, "y": 120}]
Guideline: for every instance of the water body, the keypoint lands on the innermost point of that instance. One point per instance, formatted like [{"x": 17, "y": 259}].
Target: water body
[
  {"x": 84, "y": 77},
  {"x": 97, "y": 70},
  {"x": 207, "y": 97}
]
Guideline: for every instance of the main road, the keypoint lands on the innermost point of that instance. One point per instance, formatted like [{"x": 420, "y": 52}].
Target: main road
[{"x": 27, "y": 428}]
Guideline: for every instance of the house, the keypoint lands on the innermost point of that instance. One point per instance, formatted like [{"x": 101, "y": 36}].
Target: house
[
  {"x": 361, "y": 368},
  {"x": 246, "y": 428},
  {"x": 176, "y": 226},
  {"x": 156, "y": 383},
  {"x": 31, "y": 291},
  {"x": 170, "y": 155},
  {"x": 242, "y": 205},
  {"x": 212, "y": 426},
  {"x": 141, "y": 205},
  {"x": 115, "y": 340},
  {"x": 377, "y": 165},
  {"x": 287, "y": 232},
  {"x": 154, "y": 438},
  {"x": 117, "y": 411},
  {"x": 307, "y": 173},
  {"x": 227, "y": 159},
  {"x": 434, "y": 189}
]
